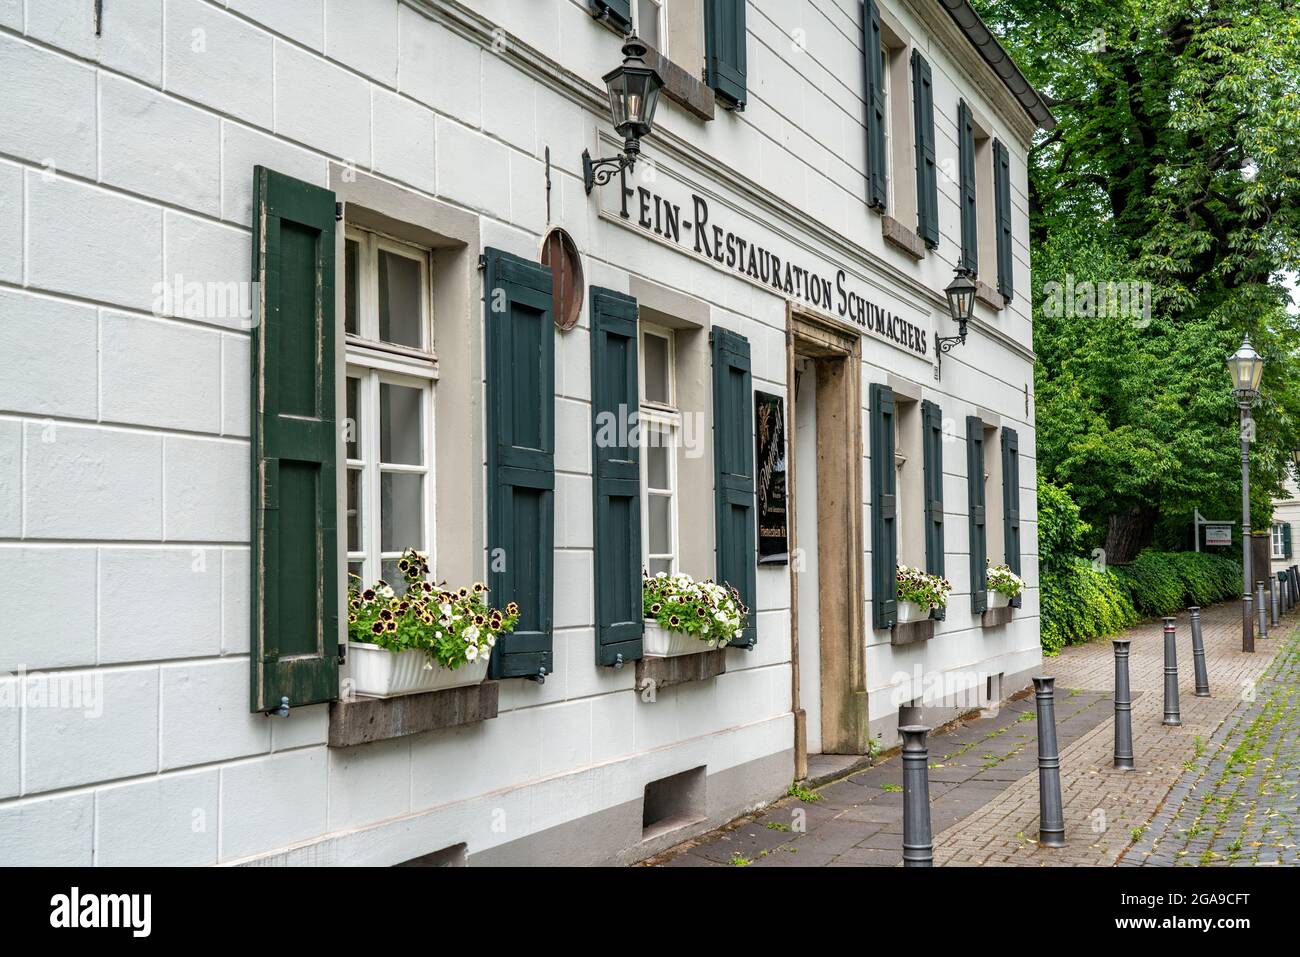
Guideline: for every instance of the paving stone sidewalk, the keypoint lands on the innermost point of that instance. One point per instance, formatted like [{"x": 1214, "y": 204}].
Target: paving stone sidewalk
[
  {"x": 983, "y": 772},
  {"x": 1239, "y": 806}
]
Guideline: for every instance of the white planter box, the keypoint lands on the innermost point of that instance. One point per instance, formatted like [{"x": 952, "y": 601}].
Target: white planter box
[
  {"x": 910, "y": 611},
  {"x": 662, "y": 643},
  {"x": 997, "y": 599},
  {"x": 380, "y": 673}
]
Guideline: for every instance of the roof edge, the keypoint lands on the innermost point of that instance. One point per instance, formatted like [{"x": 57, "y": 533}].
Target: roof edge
[{"x": 1030, "y": 100}]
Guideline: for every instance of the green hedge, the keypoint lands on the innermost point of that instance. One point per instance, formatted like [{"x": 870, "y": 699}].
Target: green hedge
[
  {"x": 1164, "y": 583},
  {"x": 1082, "y": 601}
]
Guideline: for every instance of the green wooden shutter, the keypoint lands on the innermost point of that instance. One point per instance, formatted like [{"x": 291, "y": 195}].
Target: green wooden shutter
[
  {"x": 932, "y": 446},
  {"x": 877, "y": 161},
  {"x": 724, "y": 50},
  {"x": 966, "y": 164},
  {"x": 521, "y": 458},
  {"x": 927, "y": 182},
  {"x": 1002, "y": 200},
  {"x": 1011, "y": 501},
  {"x": 884, "y": 508},
  {"x": 733, "y": 469},
  {"x": 1286, "y": 540},
  {"x": 617, "y": 477},
  {"x": 295, "y": 554},
  {"x": 979, "y": 598},
  {"x": 617, "y": 12}
]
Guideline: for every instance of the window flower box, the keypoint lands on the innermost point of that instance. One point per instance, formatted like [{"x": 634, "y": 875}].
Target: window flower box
[
  {"x": 918, "y": 592},
  {"x": 685, "y": 617},
  {"x": 1003, "y": 585},
  {"x": 428, "y": 639},
  {"x": 380, "y": 673}
]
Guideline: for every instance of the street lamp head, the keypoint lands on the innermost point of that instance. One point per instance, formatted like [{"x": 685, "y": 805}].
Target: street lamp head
[
  {"x": 961, "y": 300},
  {"x": 1247, "y": 368},
  {"x": 633, "y": 94}
]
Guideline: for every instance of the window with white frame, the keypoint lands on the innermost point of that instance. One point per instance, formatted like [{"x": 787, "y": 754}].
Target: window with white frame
[
  {"x": 886, "y": 84},
  {"x": 391, "y": 372},
  {"x": 1279, "y": 545},
  {"x": 648, "y": 23},
  {"x": 660, "y": 425}
]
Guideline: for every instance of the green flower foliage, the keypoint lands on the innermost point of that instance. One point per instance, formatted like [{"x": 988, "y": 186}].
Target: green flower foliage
[{"x": 711, "y": 612}]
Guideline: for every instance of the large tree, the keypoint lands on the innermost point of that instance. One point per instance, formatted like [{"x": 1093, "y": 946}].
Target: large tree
[{"x": 1175, "y": 163}]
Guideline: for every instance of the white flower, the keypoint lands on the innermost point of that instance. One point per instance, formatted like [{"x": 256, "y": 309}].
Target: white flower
[
  {"x": 471, "y": 652},
  {"x": 491, "y": 641},
  {"x": 471, "y": 632},
  {"x": 428, "y": 665}
]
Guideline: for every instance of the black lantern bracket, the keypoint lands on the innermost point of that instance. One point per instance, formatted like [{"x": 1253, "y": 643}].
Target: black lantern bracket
[
  {"x": 598, "y": 172},
  {"x": 960, "y": 294},
  {"x": 944, "y": 345}
]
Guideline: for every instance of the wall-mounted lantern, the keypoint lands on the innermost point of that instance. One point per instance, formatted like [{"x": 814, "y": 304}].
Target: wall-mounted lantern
[
  {"x": 961, "y": 305},
  {"x": 633, "y": 95}
]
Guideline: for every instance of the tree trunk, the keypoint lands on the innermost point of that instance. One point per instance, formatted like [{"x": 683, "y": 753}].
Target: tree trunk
[{"x": 1127, "y": 533}]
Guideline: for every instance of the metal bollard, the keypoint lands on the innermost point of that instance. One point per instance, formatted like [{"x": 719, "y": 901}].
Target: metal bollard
[
  {"x": 918, "y": 843},
  {"x": 1286, "y": 596},
  {"x": 1198, "y": 655},
  {"x": 1123, "y": 708},
  {"x": 1272, "y": 603},
  {"x": 1293, "y": 579},
  {"x": 1172, "y": 717},
  {"x": 1261, "y": 609},
  {"x": 1051, "y": 819}
]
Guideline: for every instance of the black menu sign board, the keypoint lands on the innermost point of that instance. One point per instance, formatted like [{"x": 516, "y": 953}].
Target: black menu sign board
[{"x": 773, "y": 525}]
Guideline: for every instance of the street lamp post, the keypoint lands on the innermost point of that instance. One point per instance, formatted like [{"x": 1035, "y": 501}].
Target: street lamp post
[{"x": 1247, "y": 368}]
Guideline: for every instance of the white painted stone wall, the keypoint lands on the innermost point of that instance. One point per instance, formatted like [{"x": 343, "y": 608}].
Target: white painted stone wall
[{"x": 126, "y": 160}]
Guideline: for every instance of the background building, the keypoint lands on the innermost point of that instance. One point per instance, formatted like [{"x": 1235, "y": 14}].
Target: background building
[{"x": 797, "y": 214}]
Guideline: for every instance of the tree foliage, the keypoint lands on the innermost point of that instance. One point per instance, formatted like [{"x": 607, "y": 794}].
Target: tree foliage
[{"x": 1175, "y": 162}]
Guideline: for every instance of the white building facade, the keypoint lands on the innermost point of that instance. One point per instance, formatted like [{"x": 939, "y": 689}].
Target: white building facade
[{"x": 185, "y": 480}]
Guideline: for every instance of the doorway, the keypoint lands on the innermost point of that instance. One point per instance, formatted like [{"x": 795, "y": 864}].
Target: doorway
[{"x": 827, "y": 652}]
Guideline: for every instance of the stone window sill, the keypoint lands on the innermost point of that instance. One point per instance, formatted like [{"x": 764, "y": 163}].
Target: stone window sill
[
  {"x": 989, "y": 296},
  {"x": 908, "y": 632},
  {"x": 993, "y": 617},
  {"x": 361, "y": 720},
  {"x": 902, "y": 238},
  {"x": 665, "y": 672}
]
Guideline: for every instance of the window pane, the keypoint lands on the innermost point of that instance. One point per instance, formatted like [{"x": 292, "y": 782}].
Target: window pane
[
  {"x": 660, "y": 524},
  {"x": 352, "y": 271},
  {"x": 400, "y": 425},
  {"x": 657, "y": 466},
  {"x": 390, "y": 573},
  {"x": 359, "y": 569},
  {"x": 657, "y": 565},
  {"x": 354, "y": 510},
  {"x": 647, "y": 26},
  {"x": 655, "y": 351},
  {"x": 352, "y": 427},
  {"x": 401, "y": 511},
  {"x": 399, "y": 299}
]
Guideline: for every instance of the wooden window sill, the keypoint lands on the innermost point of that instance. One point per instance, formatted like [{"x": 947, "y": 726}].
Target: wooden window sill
[
  {"x": 665, "y": 672},
  {"x": 361, "y": 720}
]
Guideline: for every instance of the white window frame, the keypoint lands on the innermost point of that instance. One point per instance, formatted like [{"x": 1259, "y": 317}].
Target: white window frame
[
  {"x": 374, "y": 363},
  {"x": 886, "y": 90},
  {"x": 1279, "y": 546},
  {"x": 659, "y": 43},
  {"x": 664, "y": 419}
]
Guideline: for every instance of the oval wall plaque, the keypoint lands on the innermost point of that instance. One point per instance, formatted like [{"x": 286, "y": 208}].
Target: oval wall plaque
[{"x": 560, "y": 252}]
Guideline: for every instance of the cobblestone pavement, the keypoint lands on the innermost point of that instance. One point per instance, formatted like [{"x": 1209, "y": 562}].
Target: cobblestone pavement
[
  {"x": 983, "y": 772},
  {"x": 1239, "y": 804}
]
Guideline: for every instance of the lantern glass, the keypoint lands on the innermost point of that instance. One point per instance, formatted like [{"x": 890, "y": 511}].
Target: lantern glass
[
  {"x": 1247, "y": 368},
  {"x": 633, "y": 93},
  {"x": 961, "y": 299}
]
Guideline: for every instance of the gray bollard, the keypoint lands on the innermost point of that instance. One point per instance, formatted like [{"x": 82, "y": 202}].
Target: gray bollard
[
  {"x": 1272, "y": 603},
  {"x": 918, "y": 843},
  {"x": 1051, "y": 819},
  {"x": 1198, "y": 655},
  {"x": 1123, "y": 708},
  {"x": 1172, "y": 716},
  {"x": 1261, "y": 609},
  {"x": 1282, "y": 587},
  {"x": 1293, "y": 579}
]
